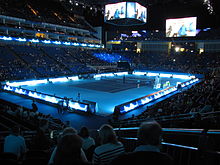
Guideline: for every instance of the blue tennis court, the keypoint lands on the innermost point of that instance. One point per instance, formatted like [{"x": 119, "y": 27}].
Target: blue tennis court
[{"x": 107, "y": 92}]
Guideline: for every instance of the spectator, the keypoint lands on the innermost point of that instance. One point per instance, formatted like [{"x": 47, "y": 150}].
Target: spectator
[
  {"x": 15, "y": 143},
  {"x": 40, "y": 141},
  {"x": 88, "y": 142},
  {"x": 69, "y": 151},
  {"x": 205, "y": 144},
  {"x": 66, "y": 131},
  {"x": 34, "y": 106},
  {"x": 149, "y": 136},
  {"x": 110, "y": 147}
]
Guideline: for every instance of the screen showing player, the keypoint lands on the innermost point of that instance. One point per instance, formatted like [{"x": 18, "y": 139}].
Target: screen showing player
[
  {"x": 181, "y": 27},
  {"x": 115, "y": 11},
  {"x": 135, "y": 10},
  {"x": 125, "y": 10},
  {"x": 131, "y": 10},
  {"x": 141, "y": 12}
]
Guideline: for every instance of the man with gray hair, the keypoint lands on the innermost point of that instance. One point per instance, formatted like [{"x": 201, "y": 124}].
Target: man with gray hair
[
  {"x": 149, "y": 136},
  {"x": 148, "y": 152}
]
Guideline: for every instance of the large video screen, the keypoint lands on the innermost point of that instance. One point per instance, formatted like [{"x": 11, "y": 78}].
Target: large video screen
[
  {"x": 141, "y": 12},
  {"x": 125, "y": 10},
  {"x": 181, "y": 27},
  {"x": 115, "y": 11},
  {"x": 131, "y": 10}
]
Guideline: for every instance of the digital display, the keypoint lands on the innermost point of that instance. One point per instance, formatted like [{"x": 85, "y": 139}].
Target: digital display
[
  {"x": 131, "y": 10},
  {"x": 181, "y": 27},
  {"x": 125, "y": 10},
  {"x": 115, "y": 11},
  {"x": 141, "y": 12}
]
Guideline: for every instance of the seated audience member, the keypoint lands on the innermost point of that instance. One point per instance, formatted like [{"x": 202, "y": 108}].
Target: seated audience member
[
  {"x": 40, "y": 141},
  {"x": 110, "y": 147},
  {"x": 69, "y": 151},
  {"x": 148, "y": 152},
  {"x": 66, "y": 131},
  {"x": 14, "y": 143},
  {"x": 34, "y": 106},
  {"x": 88, "y": 142}
]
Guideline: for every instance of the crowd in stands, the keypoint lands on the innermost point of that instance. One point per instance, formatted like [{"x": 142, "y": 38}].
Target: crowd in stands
[
  {"x": 26, "y": 62},
  {"x": 202, "y": 98},
  {"x": 30, "y": 117},
  {"x": 32, "y": 61},
  {"x": 71, "y": 147},
  {"x": 53, "y": 142},
  {"x": 43, "y": 11},
  {"x": 179, "y": 62},
  {"x": 19, "y": 69}
]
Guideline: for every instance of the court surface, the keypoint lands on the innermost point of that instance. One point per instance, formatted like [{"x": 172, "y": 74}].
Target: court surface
[{"x": 107, "y": 92}]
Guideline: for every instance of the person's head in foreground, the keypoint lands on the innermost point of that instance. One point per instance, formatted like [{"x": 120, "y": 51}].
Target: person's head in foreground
[{"x": 149, "y": 133}]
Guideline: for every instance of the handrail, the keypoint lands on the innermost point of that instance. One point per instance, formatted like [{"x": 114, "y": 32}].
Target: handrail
[
  {"x": 178, "y": 146},
  {"x": 167, "y": 117},
  {"x": 169, "y": 144},
  {"x": 176, "y": 130}
]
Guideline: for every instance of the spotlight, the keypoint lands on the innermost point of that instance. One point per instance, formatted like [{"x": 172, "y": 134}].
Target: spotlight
[{"x": 177, "y": 49}]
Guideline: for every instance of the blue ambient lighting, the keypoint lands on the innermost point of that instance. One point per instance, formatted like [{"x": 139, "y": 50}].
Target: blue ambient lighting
[
  {"x": 91, "y": 45},
  {"x": 29, "y": 83},
  {"x": 50, "y": 42},
  {"x": 6, "y": 38},
  {"x": 180, "y": 146},
  {"x": 46, "y": 41},
  {"x": 104, "y": 75},
  {"x": 61, "y": 79},
  {"x": 76, "y": 44},
  {"x": 21, "y": 39},
  {"x": 34, "y": 40},
  {"x": 15, "y": 87},
  {"x": 52, "y": 99},
  {"x": 97, "y": 46},
  {"x": 76, "y": 105},
  {"x": 66, "y": 43},
  {"x": 111, "y": 57},
  {"x": 131, "y": 106},
  {"x": 20, "y": 91},
  {"x": 121, "y": 73},
  {"x": 73, "y": 78},
  {"x": 139, "y": 73},
  {"x": 166, "y": 75},
  {"x": 142, "y": 101},
  {"x": 83, "y": 45},
  {"x": 56, "y": 42}
]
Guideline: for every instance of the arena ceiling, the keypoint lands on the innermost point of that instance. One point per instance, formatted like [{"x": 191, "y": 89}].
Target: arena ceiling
[
  {"x": 207, "y": 11},
  {"x": 158, "y": 11}
]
